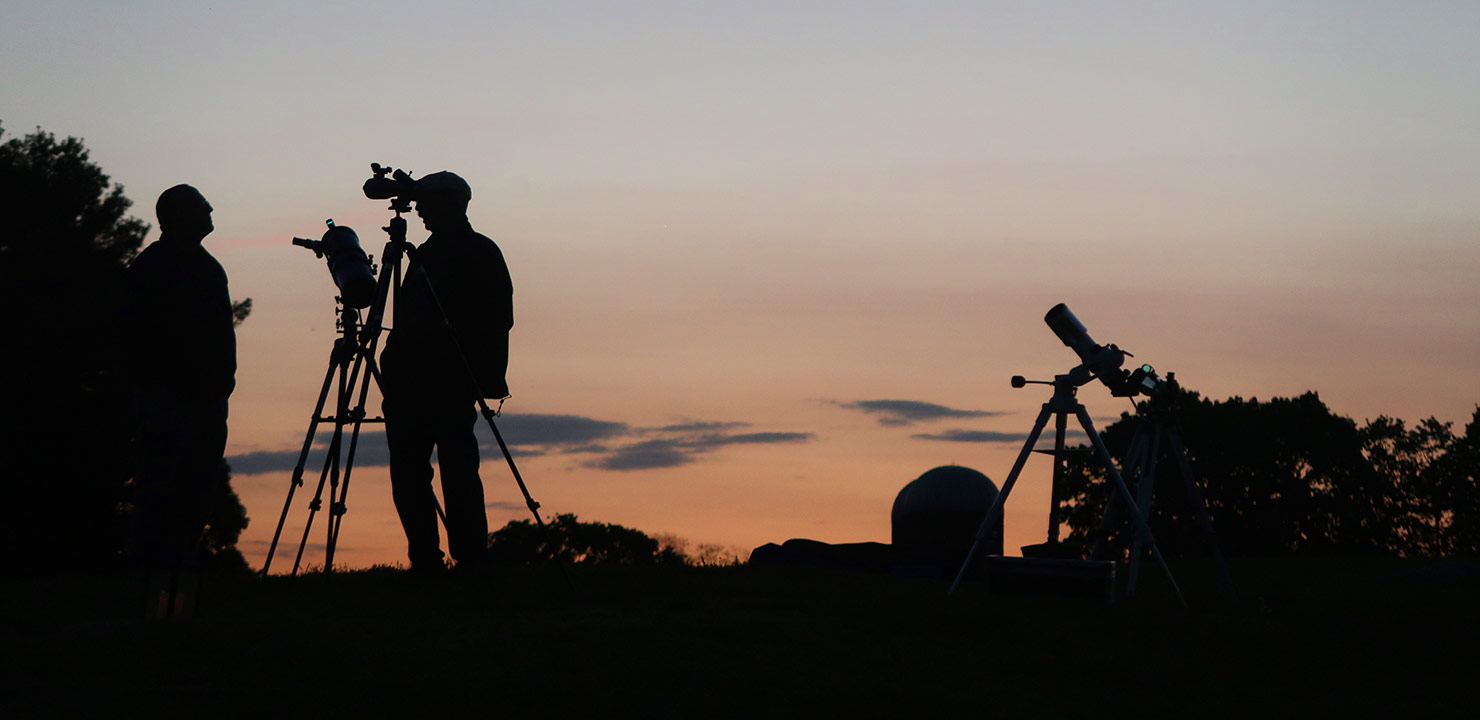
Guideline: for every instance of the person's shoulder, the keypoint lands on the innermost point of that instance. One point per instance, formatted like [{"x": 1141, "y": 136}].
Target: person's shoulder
[
  {"x": 485, "y": 245},
  {"x": 154, "y": 256},
  {"x": 167, "y": 258},
  {"x": 151, "y": 253},
  {"x": 210, "y": 261}
]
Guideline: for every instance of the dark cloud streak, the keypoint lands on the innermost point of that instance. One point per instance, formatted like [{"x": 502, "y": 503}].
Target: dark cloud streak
[
  {"x": 646, "y": 455},
  {"x": 972, "y": 436},
  {"x": 991, "y": 436},
  {"x": 905, "y": 412},
  {"x": 533, "y": 435}
]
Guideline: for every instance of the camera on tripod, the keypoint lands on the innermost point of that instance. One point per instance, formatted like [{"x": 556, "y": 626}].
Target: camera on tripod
[{"x": 353, "y": 271}]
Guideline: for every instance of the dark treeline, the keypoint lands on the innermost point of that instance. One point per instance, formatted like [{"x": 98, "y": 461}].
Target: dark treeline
[
  {"x": 67, "y": 417},
  {"x": 572, "y": 542},
  {"x": 1288, "y": 476}
]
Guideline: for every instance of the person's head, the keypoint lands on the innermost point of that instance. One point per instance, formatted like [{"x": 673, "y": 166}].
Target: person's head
[
  {"x": 184, "y": 213},
  {"x": 442, "y": 201}
]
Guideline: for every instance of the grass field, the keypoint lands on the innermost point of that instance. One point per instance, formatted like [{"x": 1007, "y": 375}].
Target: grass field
[{"x": 1324, "y": 637}]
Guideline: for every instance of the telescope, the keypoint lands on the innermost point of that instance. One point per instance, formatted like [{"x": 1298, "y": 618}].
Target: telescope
[
  {"x": 399, "y": 185},
  {"x": 1102, "y": 361},
  {"x": 351, "y": 268}
]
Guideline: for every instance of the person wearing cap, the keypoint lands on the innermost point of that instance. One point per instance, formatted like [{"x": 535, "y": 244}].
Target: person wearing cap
[
  {"x": 433, "y": 373},
  {"x": 180, "y": 358}
]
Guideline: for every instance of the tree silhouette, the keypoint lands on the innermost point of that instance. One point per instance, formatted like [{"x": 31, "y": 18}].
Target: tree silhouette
[
  {"x": 1280, "y": 477},
  {"x": 65, "y": 454},
  {"x": 1438, "y": 471},
  {"x": 1457, "y": 477},
  {"x": 573, "y": 542}
]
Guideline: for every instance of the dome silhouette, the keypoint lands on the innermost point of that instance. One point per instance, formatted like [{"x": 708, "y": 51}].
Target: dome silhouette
[{"x": 936, "y": 516}]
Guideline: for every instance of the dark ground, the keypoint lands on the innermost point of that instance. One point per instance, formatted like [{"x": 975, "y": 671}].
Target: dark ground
[{"x": 1322, "y": 637}]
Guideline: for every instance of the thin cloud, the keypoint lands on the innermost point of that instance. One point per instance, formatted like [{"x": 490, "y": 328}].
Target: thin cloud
[
  {"x": 698, "y": 427},
  {"x": 542, "y": 429},
  {"x": 973, "y": 436},
  {"x": 907, "y": 412},
  {"x": 756, "y": 438},
  {"x": 535, "y": 434},
  {"x": 646, "y": 455},
  {"x": 370, "y": 451},
  {"x": 586, "y": 449},
  {"x": 673, "y": 452},
  {"x": 989, "y": 436}
]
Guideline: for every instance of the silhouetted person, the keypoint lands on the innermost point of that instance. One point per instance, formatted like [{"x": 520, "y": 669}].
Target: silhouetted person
[
  {"x": 430, "y": 395},
  {"x": 181, "y": 359}
]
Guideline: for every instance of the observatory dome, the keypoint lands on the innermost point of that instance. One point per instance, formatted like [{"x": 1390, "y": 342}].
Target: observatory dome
[{"x": 937, "y": 515}]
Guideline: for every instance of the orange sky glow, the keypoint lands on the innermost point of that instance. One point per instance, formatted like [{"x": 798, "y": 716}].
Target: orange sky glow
[{"x": 732, "y": 226}]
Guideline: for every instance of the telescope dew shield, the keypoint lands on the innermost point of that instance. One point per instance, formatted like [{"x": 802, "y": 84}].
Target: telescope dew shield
[{"x": 349, "y": 266}]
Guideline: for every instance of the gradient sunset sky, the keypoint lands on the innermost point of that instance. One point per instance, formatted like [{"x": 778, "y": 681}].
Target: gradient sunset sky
[{"x": 773, "y": 260}]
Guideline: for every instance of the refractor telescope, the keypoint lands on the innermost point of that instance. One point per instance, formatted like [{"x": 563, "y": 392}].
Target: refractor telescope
[
  {"x": 1102, "y": 361},
  {"x": 352, "y": 270}
]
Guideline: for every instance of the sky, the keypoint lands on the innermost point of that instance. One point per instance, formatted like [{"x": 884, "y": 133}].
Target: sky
[{"x": 774, "y": 260}]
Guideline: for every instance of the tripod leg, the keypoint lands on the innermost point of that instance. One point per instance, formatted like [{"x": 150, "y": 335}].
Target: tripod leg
[
  {"x": 1112, "y": 503},
  {"x": 341, "y": 418},
  {"x": 313, "y": 426},
  {"x": 1194, "y": 493},
  {"x": 318, "y": 498},
  {"x": 990, "y": 521},
  {"x": 1145, "y": 485},
  {"x": 534, "y": 507},
  {"x": 1056, "y": 489},
  {"x": 1125, "y": 496},
  {"x": 338, "y": 505}
]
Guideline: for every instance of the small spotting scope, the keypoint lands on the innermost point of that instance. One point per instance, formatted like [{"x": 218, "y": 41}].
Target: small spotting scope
[{"x": 398, "y": 185}]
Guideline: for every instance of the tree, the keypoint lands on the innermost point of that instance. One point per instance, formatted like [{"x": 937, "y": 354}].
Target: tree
[
  {"x": 1457, "y": 475},
  {"x": 65, "y": 456},
  {"x": 1437, "y": 471},
  {"x": 1280, "y": 477},
  {"x": 573, "y": 542}
]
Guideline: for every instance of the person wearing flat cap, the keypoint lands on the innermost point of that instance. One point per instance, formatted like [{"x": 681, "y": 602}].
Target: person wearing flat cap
[{"x": 430, "y": 391}]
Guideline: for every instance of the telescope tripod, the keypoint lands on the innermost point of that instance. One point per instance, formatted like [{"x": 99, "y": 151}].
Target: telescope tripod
[
  {"x": 352, "y": 363},
  {"x": 1062, "y": 405},
  {"x": 1152, "y": 429},
  {"x": 353, "y": 352}
]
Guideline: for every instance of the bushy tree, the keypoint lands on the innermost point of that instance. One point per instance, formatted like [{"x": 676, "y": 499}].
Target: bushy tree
[
  {"x": 1280, "y": 477},
  {"x": 573, "y": 542},
  {"x": 1437, "y": 472},
  {"x": 66, "y": 453}
]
